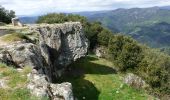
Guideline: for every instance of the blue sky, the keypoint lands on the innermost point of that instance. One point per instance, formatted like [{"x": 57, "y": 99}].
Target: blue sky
[{"x": 36, "y": 7}]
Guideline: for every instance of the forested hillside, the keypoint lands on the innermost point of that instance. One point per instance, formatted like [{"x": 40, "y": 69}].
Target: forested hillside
[{"x": 147, "y": 25}]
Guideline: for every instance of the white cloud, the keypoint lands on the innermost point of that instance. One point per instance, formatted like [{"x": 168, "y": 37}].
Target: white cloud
[{"x": 34, "y": 7}]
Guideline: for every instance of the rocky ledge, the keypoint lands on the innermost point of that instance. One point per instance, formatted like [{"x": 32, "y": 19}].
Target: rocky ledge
[{"x": 59, "y": 45}]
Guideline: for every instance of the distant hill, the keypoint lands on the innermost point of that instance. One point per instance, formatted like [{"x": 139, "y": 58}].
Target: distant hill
[
  {"x": 157, "y": 35},
  {"x": 165, "y": 7},
  {"x": 28, "y": 20},
  {"x": 144, "y": 24}
]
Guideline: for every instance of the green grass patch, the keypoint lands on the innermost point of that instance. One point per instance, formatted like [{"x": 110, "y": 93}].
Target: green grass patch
[
  {"x": 96, "y": 79},
  {"x": 3, "y": 65},
  {"x": 15, "y": 78},
  {"x": 14, "y": 37},
  {"x": 16, "y": 82},
  {"x": 16, "y": 94}
]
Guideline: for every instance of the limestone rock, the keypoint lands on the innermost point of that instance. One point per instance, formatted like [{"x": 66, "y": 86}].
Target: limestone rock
[
  {"x": 61, "y": 44},
  {"x": 37, "y": 84},
  {"x": 135, "y": 81},
  {"x": 40, "y": 87},
  {"x": 61, "y": 91},
  {"x": 22, "y": 54}
]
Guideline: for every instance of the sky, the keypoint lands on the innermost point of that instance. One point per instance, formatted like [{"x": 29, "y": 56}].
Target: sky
[{"x": 38, "y": 7}]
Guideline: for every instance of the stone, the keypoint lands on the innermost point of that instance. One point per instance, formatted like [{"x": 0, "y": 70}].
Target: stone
[
  {"x": 61, "y": 44},
  {"x": 100, "y": 52},
  {"x": 3, "y": 83},
  {"x": 40, "y": 87},
  {"x": 21, "y": 55},
  {"x": 37, "y": 84},
  {"x": 61, "y": 91},
  {"x": 16, "y": 22},
  {"x": 135, "y": 81}
]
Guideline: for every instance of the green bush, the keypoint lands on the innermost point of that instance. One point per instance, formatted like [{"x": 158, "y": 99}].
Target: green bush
[
  {"x": 150, "y": 64},
  {"x": 125, "y": 52},
  {"x": 104, "y": 36},
  {"x": 155, "y": 69}
]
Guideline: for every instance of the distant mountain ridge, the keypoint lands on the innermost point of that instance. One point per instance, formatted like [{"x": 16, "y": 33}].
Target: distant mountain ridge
[
  {"x": 145, "y": 23},
  {"x": 28, "y": 20},
  {"x": 165, "y": 7}
]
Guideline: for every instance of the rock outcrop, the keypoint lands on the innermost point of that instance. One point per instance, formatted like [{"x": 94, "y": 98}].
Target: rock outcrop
[
  {"x": 40, "y": 87},
  {"x": 135, "y": 81},
  {"x": 60, "y": 45},
  {"x": 22, "y": 54}
]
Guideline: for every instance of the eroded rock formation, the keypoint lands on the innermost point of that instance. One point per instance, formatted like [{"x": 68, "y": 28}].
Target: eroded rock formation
[
  {"x": 59, "y": 45},
  {"x": 22, "y": 54},
  {"x": 40, "y": 87}
]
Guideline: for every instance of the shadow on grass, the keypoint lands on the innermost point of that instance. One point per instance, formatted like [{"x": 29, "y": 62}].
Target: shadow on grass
[{"x": 75, "y": 74}]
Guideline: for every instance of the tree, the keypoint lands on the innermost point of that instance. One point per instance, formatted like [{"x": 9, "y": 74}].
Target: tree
[
  {"x": 6, "y": 15},
  {"x": 104, "y": 36},
  {"x": 125, "y": 52}
]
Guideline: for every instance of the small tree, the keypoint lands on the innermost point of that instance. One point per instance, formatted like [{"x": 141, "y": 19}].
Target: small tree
[
  {"x": 104, "y": 36},
  {"x": 6, "y": 15},
  {"x": 125, "y": 52}
]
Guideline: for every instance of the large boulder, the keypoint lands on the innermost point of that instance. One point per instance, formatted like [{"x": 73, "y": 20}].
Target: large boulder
[{"x": 61, "y": 44}]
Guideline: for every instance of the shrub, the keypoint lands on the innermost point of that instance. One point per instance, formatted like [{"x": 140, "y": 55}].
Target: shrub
[
  {"x": 125, "y": 52},
  {"x": 155, "y": 69},
  {"x": 104, "y": 36}
]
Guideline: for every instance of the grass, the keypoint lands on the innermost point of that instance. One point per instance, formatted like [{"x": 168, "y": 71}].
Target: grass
[
  {"x": 96, "y": 79},
  {"x": 16, "y": 94},
  {"x": 14, "y": 37},
  {"x": 16, "y": 82}
]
